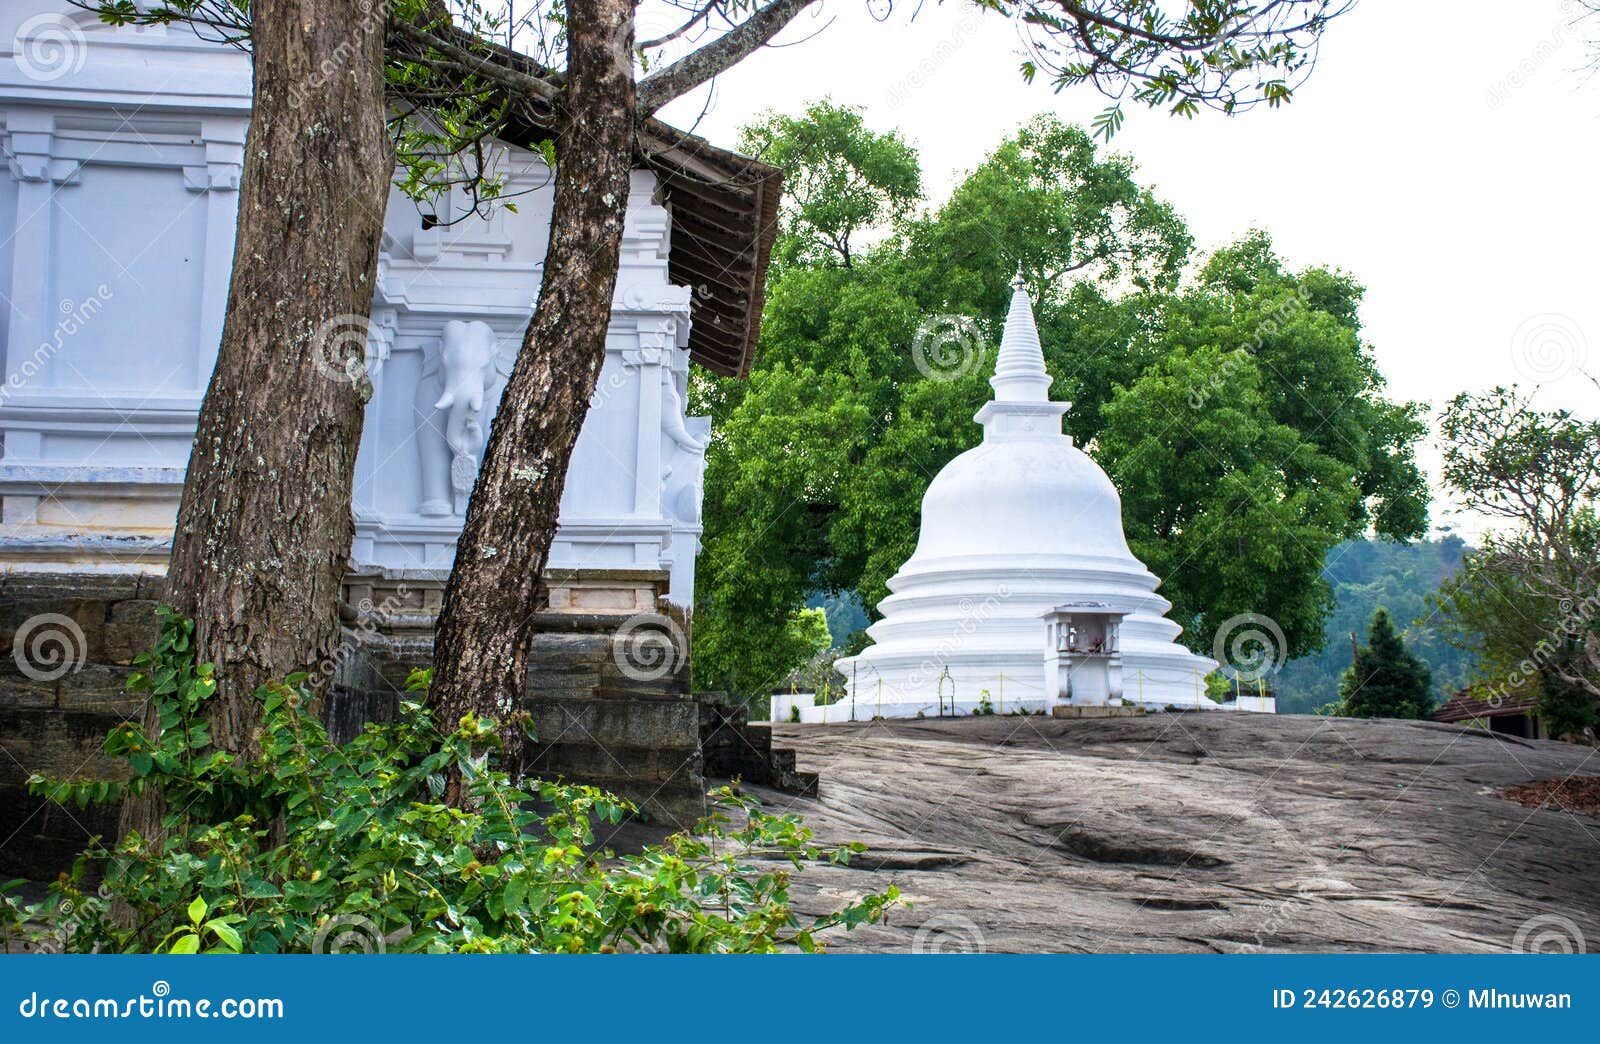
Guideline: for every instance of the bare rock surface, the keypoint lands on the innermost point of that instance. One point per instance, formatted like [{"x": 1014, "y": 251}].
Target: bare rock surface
[{"x": 1185, "y": 832}]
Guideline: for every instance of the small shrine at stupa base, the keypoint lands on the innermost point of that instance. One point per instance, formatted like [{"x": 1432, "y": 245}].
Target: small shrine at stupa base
[{"x": 1022, "y": 594}]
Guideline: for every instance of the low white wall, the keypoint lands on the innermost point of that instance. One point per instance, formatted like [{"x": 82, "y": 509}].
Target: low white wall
[{"x": 783, "y": 702}]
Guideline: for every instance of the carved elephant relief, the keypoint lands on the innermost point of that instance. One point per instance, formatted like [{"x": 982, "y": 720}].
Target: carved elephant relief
[{"x": 459, "y": 385}]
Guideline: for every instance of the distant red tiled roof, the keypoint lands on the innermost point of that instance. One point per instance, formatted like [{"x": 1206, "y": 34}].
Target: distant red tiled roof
[{"x": 1473, "y": 703}]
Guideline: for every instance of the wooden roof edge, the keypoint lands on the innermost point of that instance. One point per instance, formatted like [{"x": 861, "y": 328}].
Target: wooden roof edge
[
  {"x": 771, "y": 195},
  {"x": 666, "y": 150},
  {"x": 1468, "y": 703}
]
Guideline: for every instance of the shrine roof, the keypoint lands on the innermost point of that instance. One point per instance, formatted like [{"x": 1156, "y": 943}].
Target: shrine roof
[{"x": 724, "y": 209}]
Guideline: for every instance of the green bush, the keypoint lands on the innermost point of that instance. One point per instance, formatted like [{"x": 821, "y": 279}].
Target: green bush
[{"x": 304, "y": 845}]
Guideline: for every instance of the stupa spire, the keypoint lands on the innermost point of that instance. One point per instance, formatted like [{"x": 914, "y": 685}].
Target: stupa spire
[{"x": 1019, "y": 373}]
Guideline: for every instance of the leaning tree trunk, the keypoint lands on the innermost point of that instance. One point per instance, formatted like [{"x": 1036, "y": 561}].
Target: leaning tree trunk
[
  {"x": 264, "y": 527},
  {"x": 486, "y": 620}
]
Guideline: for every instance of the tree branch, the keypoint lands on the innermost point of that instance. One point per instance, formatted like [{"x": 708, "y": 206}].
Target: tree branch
[{"x": 716, "y": 57}]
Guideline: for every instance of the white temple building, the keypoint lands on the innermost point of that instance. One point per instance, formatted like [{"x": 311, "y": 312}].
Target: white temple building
[
  {"x": 1023, "y": 526},
  {"x": 123, "y": 150}
]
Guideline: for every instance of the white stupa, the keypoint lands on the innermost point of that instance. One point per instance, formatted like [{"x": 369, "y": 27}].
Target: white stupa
[{"x": 1016, "y": 526}]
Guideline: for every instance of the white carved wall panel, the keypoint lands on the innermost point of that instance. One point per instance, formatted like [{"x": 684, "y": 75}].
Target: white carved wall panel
[{"x": 117, "y": 209}]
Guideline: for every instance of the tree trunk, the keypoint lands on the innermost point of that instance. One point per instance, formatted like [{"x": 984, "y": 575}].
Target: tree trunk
[
  {"x": 486, "y": 620},
  {"x": 264, "y": 528}
]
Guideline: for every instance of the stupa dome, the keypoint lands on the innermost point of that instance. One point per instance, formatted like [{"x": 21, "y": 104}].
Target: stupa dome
[
  {"x": 1020, "y": 524},
  {"x": 1036, "y": 496}
]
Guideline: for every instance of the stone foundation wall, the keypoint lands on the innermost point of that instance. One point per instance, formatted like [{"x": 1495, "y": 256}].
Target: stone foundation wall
[
  {"x": 631, "y": 728},
  {"x": 608, "y": 678},
  {"x": 68, "y": 642}
]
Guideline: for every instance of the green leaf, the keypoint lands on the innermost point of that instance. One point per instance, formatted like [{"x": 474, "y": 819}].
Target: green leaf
[
  {"x": 230, "y": 938},
  {"x": 197, "y": 909},
  {"x": 516, "y": 893}
]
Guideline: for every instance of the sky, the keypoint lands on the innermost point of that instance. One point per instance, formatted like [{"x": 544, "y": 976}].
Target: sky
[{"x": 1444, "y": 152}]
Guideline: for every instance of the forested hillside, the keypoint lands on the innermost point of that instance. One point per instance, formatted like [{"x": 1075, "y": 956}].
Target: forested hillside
[{"x": 1366, "y": 574}]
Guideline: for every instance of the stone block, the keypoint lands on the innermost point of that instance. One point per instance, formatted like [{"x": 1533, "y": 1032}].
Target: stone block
[
  {"x": 39, "y": 588},
  {"x": 131, "y": 628},
  {"x": 666, "y": 784},
  {"x": 98, "y": 688},
  {"x": 19, "y": 691},
  {"x": 68, "y": 745},
  {"x": 44, "y": 837},
  {"x": 658, "y": 724}
]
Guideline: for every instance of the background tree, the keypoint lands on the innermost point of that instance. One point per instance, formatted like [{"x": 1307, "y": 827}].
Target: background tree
[
  {"x": 1240, "y": 413},
  {"x": 1386, "y": 680},
  {"x": 841, "y": 180},
  {"x": 1527, "y": 604},
  {"x": 1259, "y": 440}
]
